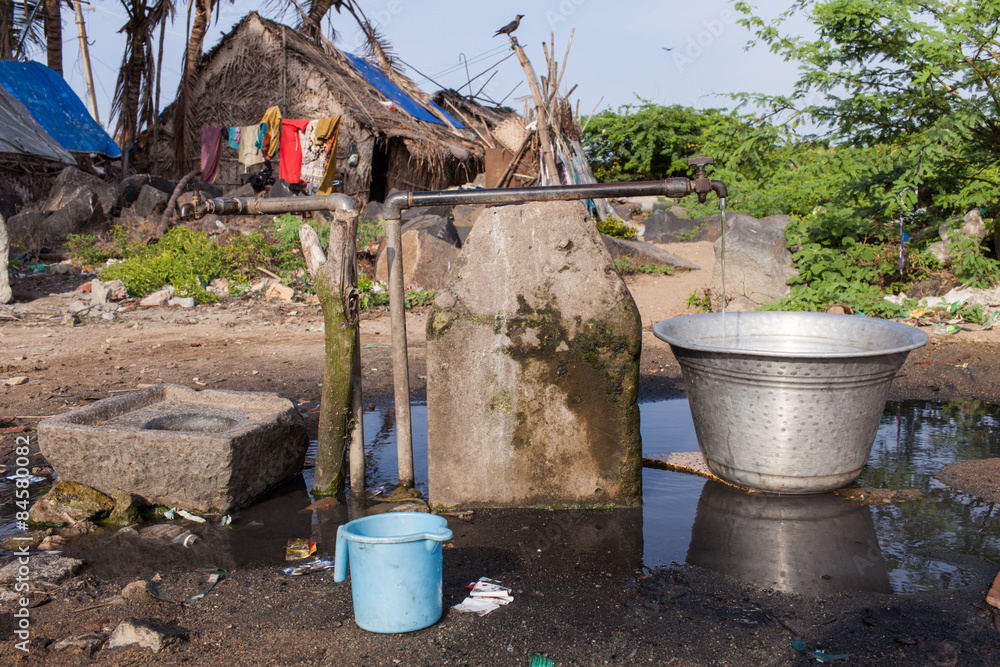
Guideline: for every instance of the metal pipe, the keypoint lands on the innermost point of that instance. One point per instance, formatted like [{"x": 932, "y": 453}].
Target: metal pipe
[
  {"x": 400, "y": 362},
  {"x": 258, "y": 206}
]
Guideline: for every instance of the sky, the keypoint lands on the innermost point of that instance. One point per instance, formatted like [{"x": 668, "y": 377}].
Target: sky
[{"x": 618, "y": 50}]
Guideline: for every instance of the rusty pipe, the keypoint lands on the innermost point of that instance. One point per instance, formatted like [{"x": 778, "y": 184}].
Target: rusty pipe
[{"x": 260, "y": 206}]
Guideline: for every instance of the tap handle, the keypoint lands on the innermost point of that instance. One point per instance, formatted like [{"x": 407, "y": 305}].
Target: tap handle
[{"x": 699, "y": 162}]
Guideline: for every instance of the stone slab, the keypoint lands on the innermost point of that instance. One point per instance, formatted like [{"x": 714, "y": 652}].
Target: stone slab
[
  {"x": 690, "y": 463},
  {"x": 205, "y": 451}
]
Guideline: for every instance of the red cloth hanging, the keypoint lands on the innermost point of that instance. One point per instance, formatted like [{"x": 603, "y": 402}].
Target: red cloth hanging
[
  {"x": 211, "y": 152},
  {"x": 290, "y": 159}
]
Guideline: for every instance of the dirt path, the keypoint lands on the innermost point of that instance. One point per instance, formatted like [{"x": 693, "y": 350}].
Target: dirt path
[{"x": 583, "y": 605}]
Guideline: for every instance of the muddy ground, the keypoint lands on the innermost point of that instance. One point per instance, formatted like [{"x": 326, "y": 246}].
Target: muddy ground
[{"x": 581, "y": 595}]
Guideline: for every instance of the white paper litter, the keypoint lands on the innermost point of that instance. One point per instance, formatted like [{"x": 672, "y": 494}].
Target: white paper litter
[{"x": 486, "y": 596}]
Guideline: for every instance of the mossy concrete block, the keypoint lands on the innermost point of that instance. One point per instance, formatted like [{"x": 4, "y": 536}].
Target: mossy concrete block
[
  {"x": 205, "y": 451},
  {"x": 533, "y": 368}
]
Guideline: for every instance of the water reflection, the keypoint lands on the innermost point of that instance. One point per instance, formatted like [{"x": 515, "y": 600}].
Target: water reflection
[{"x": 811, "y": 545}]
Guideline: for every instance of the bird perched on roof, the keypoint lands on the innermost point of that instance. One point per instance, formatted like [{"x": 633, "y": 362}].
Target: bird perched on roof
[{"x": 510, "y": 27}]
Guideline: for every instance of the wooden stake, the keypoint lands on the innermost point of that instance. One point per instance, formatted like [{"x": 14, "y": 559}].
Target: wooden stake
[
  {"x": 540, "y": 113},
  {"x": 400, "y": 364}
]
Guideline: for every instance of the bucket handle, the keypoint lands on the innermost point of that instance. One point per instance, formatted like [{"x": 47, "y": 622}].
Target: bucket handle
[{"x": 340, "y": 557}]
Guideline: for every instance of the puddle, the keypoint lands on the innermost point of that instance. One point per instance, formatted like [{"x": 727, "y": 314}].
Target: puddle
[{"x": 806, "y": 544}]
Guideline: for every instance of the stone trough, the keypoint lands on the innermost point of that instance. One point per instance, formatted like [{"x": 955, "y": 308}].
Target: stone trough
[{"x": 205, "y": 451}]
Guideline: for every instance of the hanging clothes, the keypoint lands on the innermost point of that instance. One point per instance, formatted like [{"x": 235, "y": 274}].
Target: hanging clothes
[
  {"x": 233, "y": 137},
  {"x": 272, "y": 118},
  {"x": 290, "y": 158},
  {"x": 313, "y": 158},
  {"x": 328, "y": 129},
  {"x": 249, "y": 152},
  {"x": 211, "y": 152}
]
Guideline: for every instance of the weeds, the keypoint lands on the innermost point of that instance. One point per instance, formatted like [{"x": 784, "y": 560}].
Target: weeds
[
  {"x": 702, "y": 303},
  {"x": 617, "y": 228},
  {"x": 627, "y": 266}
]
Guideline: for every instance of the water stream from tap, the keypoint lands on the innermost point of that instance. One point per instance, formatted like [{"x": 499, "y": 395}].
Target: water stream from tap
[{"x": 722, "y": 262}]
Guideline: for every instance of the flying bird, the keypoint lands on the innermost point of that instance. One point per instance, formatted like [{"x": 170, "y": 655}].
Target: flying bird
[{"x": 510, "y": 27}]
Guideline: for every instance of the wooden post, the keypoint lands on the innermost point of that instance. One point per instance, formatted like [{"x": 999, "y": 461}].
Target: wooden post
[
  {"x": 340, "y": 419},
  {"x": 400, "y": 364},
  {"x": 540, "y": 113}
]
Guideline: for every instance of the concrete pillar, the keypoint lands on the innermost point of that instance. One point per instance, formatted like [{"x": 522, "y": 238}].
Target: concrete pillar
[{"x": 533, "y": 367}]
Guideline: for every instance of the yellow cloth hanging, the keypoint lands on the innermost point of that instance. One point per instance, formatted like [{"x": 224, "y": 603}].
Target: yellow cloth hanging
[
  {"x": 272, "y": 117},
  {"x": 328, "y": 128}
]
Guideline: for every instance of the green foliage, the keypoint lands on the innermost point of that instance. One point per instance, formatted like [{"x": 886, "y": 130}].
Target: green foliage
[
  {"x": 627, "y": 266},
  {"x": 245, "y": 253},
  {"x": 970, "y": 264},
  {"x": 644, "y": 141},
  {"x": 416, "y": 297},
  {"x": 94, "y": 250},
  {"x": 617, "y": 228},
  {"x": 369, "y": 231},
  {"x": 185, "y": 259},
  {"x": 373, "y": 295},
  {"x": 700, "y": 302}
]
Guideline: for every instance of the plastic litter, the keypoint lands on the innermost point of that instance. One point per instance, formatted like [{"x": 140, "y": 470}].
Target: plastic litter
[
  {"x": 820, "y": 656},
  {"x": 155, "y": 585},
  {"x": 539, "y": 660},
  {"x": 314, "y": 566},
  {"x": 485, "y": 595},
  {"x": 32, "y": 479},
  {"x": 299, "y": 548},
  {"x": 226, "y": 520}
]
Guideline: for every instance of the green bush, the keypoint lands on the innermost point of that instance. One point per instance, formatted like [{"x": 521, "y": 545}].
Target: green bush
[
  {"x": 627, "y": 266},
  {"x": 617, "y": 228}
]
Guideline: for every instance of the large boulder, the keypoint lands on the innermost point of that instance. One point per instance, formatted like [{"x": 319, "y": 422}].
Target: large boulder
[
  {"x": 73, "y": 186},
  {"x": 667, "y": 227},
  {"x": 430, "y": 249},
  {"x": 131, "y": 186},
  {"x": 27, "y": 228},
  {"x": 464, "y": 217},
  {"x": 151, "y": 202},
  {"x": 758, "y": 264},
  {"x": 972, "y": 226},
  {"x": 639, "y": 252},
  {"x": 10, "y": 204},
  {"x": 5, "y": 292},
  {"x": 79, "y": 213},
  {"x": 421, "y": 211},
  {"x": 532, "y": 367}
]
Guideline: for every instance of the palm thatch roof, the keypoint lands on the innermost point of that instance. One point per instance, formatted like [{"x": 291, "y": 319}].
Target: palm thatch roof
[{"x": 261, "y": 63}]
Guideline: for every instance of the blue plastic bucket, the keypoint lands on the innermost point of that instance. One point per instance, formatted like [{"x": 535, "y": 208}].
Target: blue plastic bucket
[{"x": 396, "y": 561}]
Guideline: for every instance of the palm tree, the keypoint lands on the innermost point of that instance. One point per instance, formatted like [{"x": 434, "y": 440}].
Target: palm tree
[
  {"x": 53, "y": 33},
  {"x": 133, "y": 100},
  {"x": 18, "y": 28},
  {"x": 313, "y": 18}
]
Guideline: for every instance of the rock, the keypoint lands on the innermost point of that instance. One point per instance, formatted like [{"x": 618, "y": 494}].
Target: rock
[
  {"x": 101, "y": 292},
  {"x": 993, "y": 596},
  {"x": 279, "y": 189},
  {"x": 245, "y": 190},
  {"x": 78, "y": 528},
  {"x": 181, "y": 301},
  {"x": 758, "y": 264},
  {"x": 972, "y": 225},
  {"x": 65, "y": 269},
  {"x": 70, "y": 319},
  {"x": 430, "y": 248},
  {"x": 27, "y": 228},
  {"x": 68, "y": 503},
  {"x": 80, "y": 213},
  {"x": 147, "y": 633},
  {"x": 78, "y": 306},
  {"x": 130, "y": 187},
  {"x": 10, "y": 204},
  {"x": 372, "y": 211},
  {"x": 74, "y": 186},
  {"x": 14, "y": 381},
  {"x": 422, "y": 211},
  {"x": 51, "y": 543},
  {"x": 6, "y": 295},
  {"x": 126, "y": 512},
  {"x": 939, "y": 250},
  {"x": 385, "y": 508},
  {"x": 85, "y": 287},
  {"x": 644, "y": 253},
  {"x": 465, "y": 216},
  {"x": 533, "y": 366},
  {"x": 278, "y": 291},
  {"x": 51, "y": 568},
  {"x": 666, "y": 227},
  {"x": 86, "y": 644},
  {"x": 157, "y": 298},
  {"x": 151, "y": 203},
  {"x": 135, "y": 591},
  {"x": 219, "y": 287}
]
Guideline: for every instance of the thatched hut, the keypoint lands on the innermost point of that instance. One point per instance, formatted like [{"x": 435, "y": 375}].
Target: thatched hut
[{"x": 402, "y": 140}]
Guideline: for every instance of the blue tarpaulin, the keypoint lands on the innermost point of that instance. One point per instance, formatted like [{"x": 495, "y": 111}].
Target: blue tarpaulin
[
  {"x": 377, "y": 78},
  {"x": 56, "y": 107}
]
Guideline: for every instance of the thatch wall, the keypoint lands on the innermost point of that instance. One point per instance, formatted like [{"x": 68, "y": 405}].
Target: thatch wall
[{"x": 260, "y": 64}]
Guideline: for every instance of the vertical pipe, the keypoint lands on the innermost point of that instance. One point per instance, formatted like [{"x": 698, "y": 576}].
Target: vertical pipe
[
  {"x": 85, "y": 56},
  {"x": 400, "y": 365},
  {"x": 357, "y": 455}
]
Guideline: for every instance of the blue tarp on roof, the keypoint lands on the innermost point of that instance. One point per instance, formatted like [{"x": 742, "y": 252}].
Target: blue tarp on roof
[
  {"x": 56, "y": 107},
  {"x": 377, "y": 78}
]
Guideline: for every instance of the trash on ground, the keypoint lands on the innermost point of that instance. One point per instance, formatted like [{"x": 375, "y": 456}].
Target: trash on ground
[
  {"x": 165, "y": 532},
  {"x": 156, "y": 587},
  {"x": 539, "y": 660},
  {"x": 226, "y": 520},
  {"x": 299, "y": 548},
  {"x": 173, "y": 512},
  {"x": 485, "y": 596},
  {"x": 306, "y": 568},
  {"x": 32, "y": 479},
  {"x": 820, "y": 656}
]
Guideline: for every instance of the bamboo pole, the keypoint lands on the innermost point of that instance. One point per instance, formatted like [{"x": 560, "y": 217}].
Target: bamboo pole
[
  {"x": 400, "y": 364},
  {"x": 88, "y": 74},
  {"x": 540, "y": 111}
]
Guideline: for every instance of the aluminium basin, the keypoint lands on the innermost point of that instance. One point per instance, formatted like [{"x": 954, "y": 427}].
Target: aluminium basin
[{"x": 787, "y": 402}]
